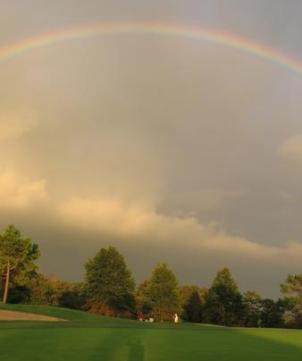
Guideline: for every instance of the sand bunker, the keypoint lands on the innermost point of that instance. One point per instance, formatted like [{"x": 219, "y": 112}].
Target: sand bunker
[{"x": 24, "y": 316}]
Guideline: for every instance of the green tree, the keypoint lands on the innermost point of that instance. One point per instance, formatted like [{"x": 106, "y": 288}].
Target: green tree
[
  {"x": 17, "y": 256},
  {"x": 142, "y": 300},
  {"x": 163, "y": 294},
  {"x": 292, "y": 287},
  {"x": 292, "y": 291},
  {"x": 252, "y": 309},
  {"x": 45, "y": 290},
  {"x": 271, "y": 313},
  {"x": 193, "y": 308},
  {"x": 186, "y": 292},
  {"x": 109, "y": 282},
  {"x": 224, "y": 304}
]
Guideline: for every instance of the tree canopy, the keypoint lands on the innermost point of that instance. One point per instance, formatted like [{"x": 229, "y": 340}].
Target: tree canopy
[
  {"x": 193, "y": 308},
  {"x": 17, "y": 256},
  {"x": 162, "y": 293},
  {"x": 109, "y": 282},
  {"x": 224, "y": 303},
  {"x": 292, "y": 290}
]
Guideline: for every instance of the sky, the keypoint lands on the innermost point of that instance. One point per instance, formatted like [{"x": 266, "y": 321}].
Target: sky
[{"x": 170, "y": 148}]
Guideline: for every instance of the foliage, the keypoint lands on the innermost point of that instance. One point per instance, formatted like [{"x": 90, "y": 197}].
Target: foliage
[
  {"x": 292, "y": 287},
  {"x": 73, "y": 297},
  {"x": 271, "y": 313},
  {"x": 142, "y": 300},
  {"x": 162, "y": 293},
  {"x": 193, "y": 308},
  {"x": 17, "y": 256},
  {"x": 252, "y": 309},
  {"x": 292, "y": 291},
  {"x": 293, "y": 317},
  {"x": 224, "y": 305},
  {"x": 52, "y": 291},
  {"x": 185, "y": 292},
  {"x": 109, "y": 283}
]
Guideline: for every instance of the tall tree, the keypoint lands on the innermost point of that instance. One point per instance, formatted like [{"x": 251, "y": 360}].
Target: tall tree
[
  {"x": 193, "y": 308},
  {"x": 292, "y": 287},
  {"x": 271, "y": 313},
  {"x": 186, "y": 292},
  {"x": 292, "y": 291},
  {"x": 252, "y": 312},
  {"x": 109, "y": 282},
  {"x": 224, "y": 304},
  {"x": 17, "y": 256},
  {"x": 142, "y": 300},
  {"x": 163, "y": 294}
]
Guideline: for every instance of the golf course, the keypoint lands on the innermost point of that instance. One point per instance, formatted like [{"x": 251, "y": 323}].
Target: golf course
[{"x": 82, "y": 336}]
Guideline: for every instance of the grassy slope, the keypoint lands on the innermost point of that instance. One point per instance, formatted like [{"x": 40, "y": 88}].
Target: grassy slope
[
  {"x": 63, "y": 313},
  {"x": 89, "y": 338}
]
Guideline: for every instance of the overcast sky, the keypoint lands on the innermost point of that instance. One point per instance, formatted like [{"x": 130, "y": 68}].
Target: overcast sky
[{"x": 170, "y": 148}]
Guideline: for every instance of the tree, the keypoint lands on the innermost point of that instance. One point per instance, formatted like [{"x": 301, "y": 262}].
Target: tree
[
  {"x": 252, "y": 312},
  {"x": 193, "y": 308},
  {"x": 44, "y": 290},
  {"x": 142, "y": 300},
  {"x": 292, "y": 287},
  {"x": 271, "y": 313},
  {"x": 162, "y": 292},
  {"x": 186, "y": 291},
  {"x": 17, "y": 256},
  {"x": 293, "y": 316},
  {"x": 292, "y": 291},
  {"x": 109, "y": 283},
  {"x": 224, "y": 304}
]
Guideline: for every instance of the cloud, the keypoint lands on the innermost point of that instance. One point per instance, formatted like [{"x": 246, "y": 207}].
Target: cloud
[
  {"x": 14, "y": 125},
  {"x": 202, "y": 200},
  {"x": 139, "y": 224},
  {"x": 19, "y": 192},
  {"x": 291, "y": 149}
]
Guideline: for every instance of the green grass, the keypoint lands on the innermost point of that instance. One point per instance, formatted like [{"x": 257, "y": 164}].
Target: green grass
[{"x": 90, "y": 338}]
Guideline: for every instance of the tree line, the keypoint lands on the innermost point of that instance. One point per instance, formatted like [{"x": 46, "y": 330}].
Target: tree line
[{"x": 109, "y": 289}]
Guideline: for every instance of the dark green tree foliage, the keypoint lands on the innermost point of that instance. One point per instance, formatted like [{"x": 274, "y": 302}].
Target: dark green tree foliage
[
  {"x": 162, "y": 293},
  {"x": 193, "y": 308},
  {"x": 292, "y": 287},
  {"x": 271, "y": 313},
  {"x": 17, "y": 256},
  {"x": 252, "y": 309},
  {"x": 292, "y": 291},
  {"x": 72, "y": 298},
  {"x": 224, "y": 304},
  {"x": 109, "y": 282},
  {"x": 142, "y": 300},
  {"x": 42, "y": 290}
]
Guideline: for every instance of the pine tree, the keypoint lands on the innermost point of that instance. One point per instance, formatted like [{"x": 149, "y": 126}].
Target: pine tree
[
  {"x": 193, "y": 308},
  {"x": 224, "y": 304}
]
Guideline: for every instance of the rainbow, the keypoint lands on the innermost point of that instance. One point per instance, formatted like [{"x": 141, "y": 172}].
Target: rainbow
[{"x": 218, "y": 37}]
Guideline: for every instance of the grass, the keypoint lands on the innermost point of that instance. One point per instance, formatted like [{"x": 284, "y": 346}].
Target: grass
[{"x": 90, "y": 338}]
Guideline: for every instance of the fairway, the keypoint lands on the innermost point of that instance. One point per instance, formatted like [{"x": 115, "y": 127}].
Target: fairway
[{"x": 88, "y": 337}]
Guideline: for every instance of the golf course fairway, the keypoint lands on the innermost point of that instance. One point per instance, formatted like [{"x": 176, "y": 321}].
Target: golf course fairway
[{"x": 85, "y": 337}]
